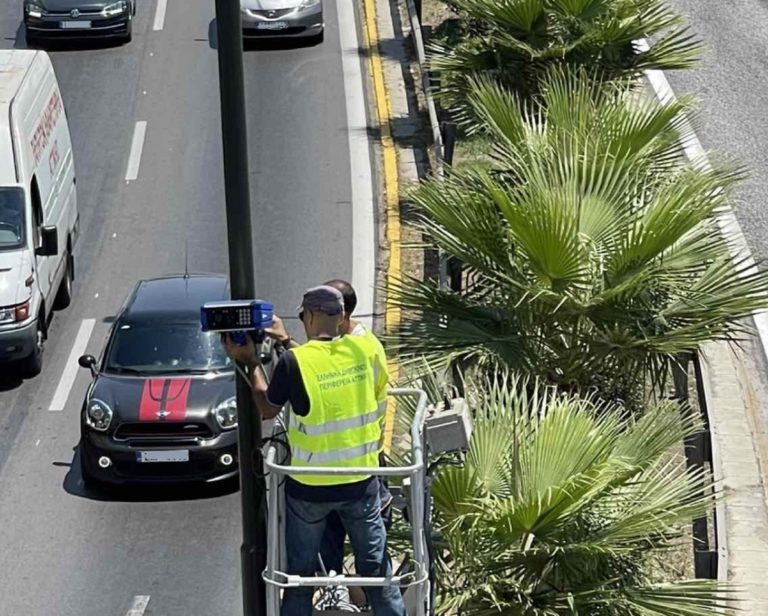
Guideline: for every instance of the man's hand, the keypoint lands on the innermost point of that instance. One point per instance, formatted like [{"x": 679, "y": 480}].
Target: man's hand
[
  {"x": 244, "y": 354},
  {"x": 277, "y": 331}
]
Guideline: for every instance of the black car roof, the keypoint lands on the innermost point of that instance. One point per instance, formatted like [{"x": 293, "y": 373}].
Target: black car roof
[{"x": 174, "y": 298}]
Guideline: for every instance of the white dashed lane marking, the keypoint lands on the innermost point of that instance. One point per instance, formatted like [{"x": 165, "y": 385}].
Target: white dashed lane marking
[
  {"x": 162, "y": 6},
  {"x": 71, "y": 367},
  {"x": 138, "y": 605},
  {"x": 137, "y": 145}
]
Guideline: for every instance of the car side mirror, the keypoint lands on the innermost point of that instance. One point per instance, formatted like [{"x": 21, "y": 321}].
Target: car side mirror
[
  {"x": 49, "y": 244},
  {"x": 88, "y": 361}
]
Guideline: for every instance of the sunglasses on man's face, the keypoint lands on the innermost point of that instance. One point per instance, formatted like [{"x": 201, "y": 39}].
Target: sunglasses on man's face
[{"x": 301, "y": 316}]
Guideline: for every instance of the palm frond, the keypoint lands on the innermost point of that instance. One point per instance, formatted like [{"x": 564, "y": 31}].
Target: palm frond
[
  {"x": 517, "y": 42},
  {"x": 592, "y": 248},
  {"x": 581, "y": 498}
]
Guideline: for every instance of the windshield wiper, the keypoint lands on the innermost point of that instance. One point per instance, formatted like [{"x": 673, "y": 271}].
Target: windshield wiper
[
  {"x": 161, "y": 370},
  {"x": 186, "y": 371},
  {"x": 124, "y": 370}
]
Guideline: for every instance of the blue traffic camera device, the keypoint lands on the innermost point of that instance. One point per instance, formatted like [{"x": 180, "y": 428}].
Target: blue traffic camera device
[{"x": 237, "y": 317}]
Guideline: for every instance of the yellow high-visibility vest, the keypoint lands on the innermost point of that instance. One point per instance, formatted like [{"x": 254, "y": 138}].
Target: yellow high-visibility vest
[
  {"x": 343, "y": 380},
  {"x": 382, "y": 377}
]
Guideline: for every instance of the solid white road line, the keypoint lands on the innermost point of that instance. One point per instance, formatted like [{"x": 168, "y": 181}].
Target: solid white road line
[
  {"x": 363, "y": 204},
  {"x": 71, "y": 367},
  {"x": 138, "y": 605},
  {"x": 727, "y": 221},
  {"x": 137, "y": 145},
  {"x": 162, "y": 6}
]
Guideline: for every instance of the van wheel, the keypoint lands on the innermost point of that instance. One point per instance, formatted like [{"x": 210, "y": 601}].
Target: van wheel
[
  {"x": 32, "y": 365},
  {"x": 64, "y": 294}
]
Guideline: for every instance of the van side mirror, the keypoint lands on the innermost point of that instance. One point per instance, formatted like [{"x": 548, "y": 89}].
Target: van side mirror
[
  {"x": 88, "y": 361},
  {"x": 49, "y": 245}
]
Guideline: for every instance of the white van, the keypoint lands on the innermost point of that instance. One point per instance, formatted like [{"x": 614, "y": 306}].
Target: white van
[{"x": 38, "y": 205}]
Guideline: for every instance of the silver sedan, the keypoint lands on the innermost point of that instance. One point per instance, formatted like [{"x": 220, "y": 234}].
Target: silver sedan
[{"x": 282, "y": 18}]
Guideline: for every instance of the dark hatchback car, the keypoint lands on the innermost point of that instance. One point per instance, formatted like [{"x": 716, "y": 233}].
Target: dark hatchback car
[
  {"x": 78, "y": 19},
  {"x": 161, "y": 407}
]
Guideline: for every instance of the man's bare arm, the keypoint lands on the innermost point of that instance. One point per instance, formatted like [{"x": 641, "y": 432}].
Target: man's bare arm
[{"x": 259, "y": 388}]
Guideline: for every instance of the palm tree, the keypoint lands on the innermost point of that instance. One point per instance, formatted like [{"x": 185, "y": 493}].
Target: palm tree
[
  {"x": 591, "y": 250},
  {"x": 561, "y": 508},
  {"x": 516, "y": 41}
]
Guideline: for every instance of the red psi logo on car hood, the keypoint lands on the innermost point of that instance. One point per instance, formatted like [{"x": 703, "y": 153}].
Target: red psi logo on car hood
[{"x": 164, "y": 400}]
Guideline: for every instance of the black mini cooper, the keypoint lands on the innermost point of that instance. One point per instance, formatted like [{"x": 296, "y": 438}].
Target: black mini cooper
[{"x": 161, "y": 407}]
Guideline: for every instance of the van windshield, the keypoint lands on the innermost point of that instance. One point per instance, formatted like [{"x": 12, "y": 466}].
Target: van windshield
[{"x": 11, "y": 218}]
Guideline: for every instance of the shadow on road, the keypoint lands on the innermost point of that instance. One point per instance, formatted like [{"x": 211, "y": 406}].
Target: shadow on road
[
  {"x": 10, "y": 378},
  {"x": 19, "y": 41},
  {"x": 73, "y": 484},
  {"x": 77, "y": 45}
]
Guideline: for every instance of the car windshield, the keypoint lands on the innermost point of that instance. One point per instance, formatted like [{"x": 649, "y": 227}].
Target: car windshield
[
  {"x": 11, "y": 218},
  {"x": 165, "y": 348}
]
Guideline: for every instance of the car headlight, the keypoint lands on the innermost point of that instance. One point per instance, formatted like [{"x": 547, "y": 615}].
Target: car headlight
[
  {"x": 34, "y": 10},
  {"x": 226, "y": 414},
  {"x": 308, "y": 3},
  {"x": 98, "y": 415},
  {"x": 14, "y": 314},
  {"x": 7, "y": 315},
  {"x": 116, "y": 8}
]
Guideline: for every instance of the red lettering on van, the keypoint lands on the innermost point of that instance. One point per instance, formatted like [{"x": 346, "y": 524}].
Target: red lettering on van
[
  {"x": 42, "y": 134},
  {"x": 54, "y": 157}
]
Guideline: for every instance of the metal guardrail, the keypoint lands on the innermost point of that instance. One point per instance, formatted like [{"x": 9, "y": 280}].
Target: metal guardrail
[
  {"x": 715, "y": 564},
  {"x": 710, "y": 557},
  {"x": 426, "y": 86},
  {"x": 276, "y": 578},
  {"x": 439, "y": 143}
]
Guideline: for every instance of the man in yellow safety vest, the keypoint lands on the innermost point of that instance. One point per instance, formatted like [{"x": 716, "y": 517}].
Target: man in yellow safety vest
[
  {"x": 332, "y": 551},
  {"x": 337, "y": 389}
]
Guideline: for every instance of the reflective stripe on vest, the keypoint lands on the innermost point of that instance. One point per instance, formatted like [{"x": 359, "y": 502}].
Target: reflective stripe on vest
[
  {"x": 338, "y": 425},
  {"x": 337, "y": 455},
  {"x": 344, "y": 423}
]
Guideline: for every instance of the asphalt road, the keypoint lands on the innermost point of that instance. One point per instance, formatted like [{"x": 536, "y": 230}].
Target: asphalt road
[
  {"x": 732, "y": 88},
  {"x": 64, "y": 551}
]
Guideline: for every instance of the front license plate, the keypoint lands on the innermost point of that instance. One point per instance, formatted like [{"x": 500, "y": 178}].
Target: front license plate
[
  {"x": 272, "y": 25},
  {"x": 175, "y": 455},
  {"x": 75, "y": 25}
]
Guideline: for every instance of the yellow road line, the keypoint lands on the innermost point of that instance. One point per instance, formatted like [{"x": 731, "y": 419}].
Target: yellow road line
[{"x": 391, "y": 191}]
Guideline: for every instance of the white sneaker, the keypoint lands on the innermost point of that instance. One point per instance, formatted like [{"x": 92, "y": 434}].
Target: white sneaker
[{"x": 336, "y": 598}]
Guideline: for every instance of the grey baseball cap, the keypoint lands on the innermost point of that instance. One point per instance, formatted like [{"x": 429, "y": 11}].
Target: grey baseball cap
[{"x": 323, "y": 299}]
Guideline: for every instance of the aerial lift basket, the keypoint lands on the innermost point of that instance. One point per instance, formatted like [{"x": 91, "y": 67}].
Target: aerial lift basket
[{"x": 415, "y": 581}]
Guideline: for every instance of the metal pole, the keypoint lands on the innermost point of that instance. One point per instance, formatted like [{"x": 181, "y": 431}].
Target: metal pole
[{"x": 253, "y": 551}]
